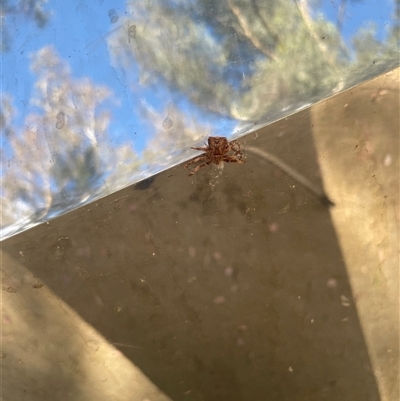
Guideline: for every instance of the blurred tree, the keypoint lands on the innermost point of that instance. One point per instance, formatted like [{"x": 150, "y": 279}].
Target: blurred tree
[
  {"x": 29, "y": 9},
  {"x": 61, "y": 156},
  {"x": 243, "y": 59}
]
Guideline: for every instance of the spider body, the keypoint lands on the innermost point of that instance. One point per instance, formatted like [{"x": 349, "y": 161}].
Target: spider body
[{"x": 216, "y": 152}]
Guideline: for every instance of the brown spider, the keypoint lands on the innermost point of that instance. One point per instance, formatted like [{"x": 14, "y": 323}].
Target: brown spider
[{"x": 216, "y": 152}]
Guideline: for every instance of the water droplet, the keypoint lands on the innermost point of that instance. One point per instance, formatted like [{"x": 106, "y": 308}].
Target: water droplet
[
  {"x": 60, "y": 117},
  {"x": 132, "y": 31},
  {"x": 113, "y": 16},
  {"x": 167, "y": 123}
]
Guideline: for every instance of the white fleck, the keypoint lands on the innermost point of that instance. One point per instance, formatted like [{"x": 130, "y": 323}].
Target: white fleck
[
  {"x": 331, "y": 283},
  {"x": 219, "y": 300},
  {"x": 273, "y": 228},
  {"x": 387, "y": 160},
  {"x": 192, "y": 251},
  {"x": 345, "y": 301}
]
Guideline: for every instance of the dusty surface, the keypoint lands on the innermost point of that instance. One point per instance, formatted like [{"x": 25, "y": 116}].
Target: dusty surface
[
  {"x": 50, "y": 353},
  {"x": 233, "y": 284},
  {"x": 361, "y": 165}
]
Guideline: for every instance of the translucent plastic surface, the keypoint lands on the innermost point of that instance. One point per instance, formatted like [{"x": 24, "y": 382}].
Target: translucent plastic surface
[{"x": 97, "y": 95}]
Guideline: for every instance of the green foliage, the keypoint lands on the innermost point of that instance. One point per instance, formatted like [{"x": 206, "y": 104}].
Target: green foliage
[{"x": 243, "y": 59}]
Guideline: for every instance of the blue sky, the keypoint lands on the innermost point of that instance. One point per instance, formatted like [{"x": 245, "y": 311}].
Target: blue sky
[
  {"x": 78, "y": 30},
  {"x": 358, "y": 12},
  {"x": 76, "y": 33},
  {"x": 79, "y": 36}
]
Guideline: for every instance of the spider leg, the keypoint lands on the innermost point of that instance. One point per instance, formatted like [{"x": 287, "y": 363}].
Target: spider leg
[
  {"x": 197, "y": 159},
  {"x": 203, "y": 148},
  {"x": 235, "y": 147},
  {"x": 197, "y": 168},
  {"x": 233, "y": 159},
  {"x": 239, "y": 155}
]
